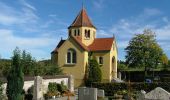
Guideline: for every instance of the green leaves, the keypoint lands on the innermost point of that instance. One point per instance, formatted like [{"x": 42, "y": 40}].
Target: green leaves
[
  {"x": 94, "y": 72},
  {"x": 143, "y": 50}
]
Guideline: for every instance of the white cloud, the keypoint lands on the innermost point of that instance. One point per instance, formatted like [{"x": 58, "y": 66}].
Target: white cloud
[
  {"x": 34, "y": 45},
  {"x": 26, "y": 4},
  {"x": 151, "y": 12},
  {"x": 12, "y": 16},
  {"x": 127, "y": 27},
  {"x": 98, "y": 4},
  {"x": 102, "y": 33}
]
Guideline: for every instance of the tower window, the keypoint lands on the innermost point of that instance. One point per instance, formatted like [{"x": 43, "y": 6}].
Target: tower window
[
  {"x": 78, "y": 32},
  {"x": 75, "y": 32},
  {"x": 101, "y": 60},
  {"x": 88, "y": 34},
  {"x": 71, "y": 56}
]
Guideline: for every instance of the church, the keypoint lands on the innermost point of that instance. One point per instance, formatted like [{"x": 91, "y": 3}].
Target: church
[{"x": 72, "y": 54}]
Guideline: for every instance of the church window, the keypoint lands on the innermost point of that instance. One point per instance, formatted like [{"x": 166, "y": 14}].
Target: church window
[
  {"x": 75, "y": 32},
  {"x": 88, "y": 34},
  {"x": 71, "y": 56},
  {"x": 113, "y": 59},
  {"x": 101, "y": 60},
  {"x": 78, "y": 32}
]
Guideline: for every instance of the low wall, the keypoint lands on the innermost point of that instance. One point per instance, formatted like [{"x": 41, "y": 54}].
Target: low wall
[{"x": 29, "y": 81}]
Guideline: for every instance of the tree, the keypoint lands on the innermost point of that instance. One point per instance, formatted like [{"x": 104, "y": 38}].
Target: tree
[
  {"x": 28, "y": 63},
  {"x": 144, "y": 51},
  {"x": 15, "y": 79},
  {"x": 53, "y": 70},
  {"x": 94, "y": 72},
  {"x": 121, "y": 65}
]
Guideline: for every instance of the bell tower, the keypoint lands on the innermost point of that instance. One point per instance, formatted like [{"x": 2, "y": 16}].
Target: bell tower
[{"x": 82, "y": 28}]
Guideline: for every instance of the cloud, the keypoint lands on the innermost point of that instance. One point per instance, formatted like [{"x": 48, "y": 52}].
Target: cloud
[
  {"x": 98, "y": 4},
  {"x": 26, "y": 4},
  {"x": 34, "y": 45},
  {"x": 103, "y": 33},
  {"x": 151, "y": 18},
  {"x": 151, "y": 12},
  {"x": 12, "y": 16}
]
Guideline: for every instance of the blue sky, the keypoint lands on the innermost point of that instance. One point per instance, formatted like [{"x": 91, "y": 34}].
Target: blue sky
[{"x": 38, "y": 25}]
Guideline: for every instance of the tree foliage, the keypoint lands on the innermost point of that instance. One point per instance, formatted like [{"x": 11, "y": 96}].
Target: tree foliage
[
  {"x": 94, "y": 72},
  {"x": 5, "y": 65},
  {"x": 28, "y": 63},
  {"x": 15, "y": 79},
  {"x": 1, "y": 90},
  {"x": 144, "y": 51}
]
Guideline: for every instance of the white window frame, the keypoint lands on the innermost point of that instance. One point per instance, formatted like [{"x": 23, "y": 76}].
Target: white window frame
[{"x": 71, "y": 57}]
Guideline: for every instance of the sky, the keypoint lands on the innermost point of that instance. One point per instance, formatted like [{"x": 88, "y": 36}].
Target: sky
[{"x": 38, "y": 25}]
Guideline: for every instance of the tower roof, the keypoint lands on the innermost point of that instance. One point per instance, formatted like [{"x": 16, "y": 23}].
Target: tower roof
[{"x": 82, "y": 19}]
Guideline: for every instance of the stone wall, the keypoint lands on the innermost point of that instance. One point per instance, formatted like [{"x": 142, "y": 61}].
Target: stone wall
[{"x": 67, "y": 79}]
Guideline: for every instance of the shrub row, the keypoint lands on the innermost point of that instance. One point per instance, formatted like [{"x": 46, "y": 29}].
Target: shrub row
[{"x": 113, "y": 88}]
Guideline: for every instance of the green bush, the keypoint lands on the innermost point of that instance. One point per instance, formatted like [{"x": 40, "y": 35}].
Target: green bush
[
  {"x": 30, "y": 90},
  {"x": 121, "y": 88},
  {"x": 52, "y": 87},
  {"x": 55, "y": 87},
  {"x": 94, "y": 73}
]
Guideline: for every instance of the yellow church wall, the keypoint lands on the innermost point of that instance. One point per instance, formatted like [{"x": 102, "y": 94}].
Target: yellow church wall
[
  {"x": 78, "y": 69},
  {"x": 106, "y": 66},
  {"x": 113, "y": 53},
  {"x": 109, "y": 69}
]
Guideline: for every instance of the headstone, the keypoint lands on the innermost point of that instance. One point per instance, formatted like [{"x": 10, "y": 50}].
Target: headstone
[
  {"x": 156, "y": 94},
  {"x": 141, "y": 95},
  {"x": 38, "y": 88},
  {"x": 100, "y": 93},
  {"x": 159, "y": 94},
  {"x": 120, "y": 75},
  {"x": 71, "y": 83},
  {"x": 87, "y": 93}
]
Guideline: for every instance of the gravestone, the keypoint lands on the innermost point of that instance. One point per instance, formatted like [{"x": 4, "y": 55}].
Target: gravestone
[
  {"x": 100, "y": 93},
  {"x": 156, "y": 94},
  {"x": 38, "y": 88},
  {"x": 87, "y": 93}
]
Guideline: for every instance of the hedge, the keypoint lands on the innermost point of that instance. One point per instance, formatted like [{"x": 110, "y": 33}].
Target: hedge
[{"x": 113, "y": 88}]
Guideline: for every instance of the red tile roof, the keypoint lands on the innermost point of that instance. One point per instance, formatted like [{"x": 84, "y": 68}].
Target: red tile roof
[
  {"x": 78, "y": 40},
  {"x": 101, "y": 44},
  {"x": 82, "y": 19}
]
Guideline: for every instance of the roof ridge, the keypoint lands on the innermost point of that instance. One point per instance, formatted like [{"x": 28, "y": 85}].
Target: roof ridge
[{"x": 106, "y": 38}]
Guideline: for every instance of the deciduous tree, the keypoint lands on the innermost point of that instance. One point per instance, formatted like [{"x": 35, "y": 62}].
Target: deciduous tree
[{"x": 144, "y": 51}]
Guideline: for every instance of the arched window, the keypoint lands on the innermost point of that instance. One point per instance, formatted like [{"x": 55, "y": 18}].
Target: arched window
[
  {"x": 78, "y": 32},
  {"x": 113, "y": 59},
  {"x": 75, "y": 32},
  {"x": 88, "y": 34},
  {"x": 71, "y": 56},
  {"x": 100, "y": 60}
]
